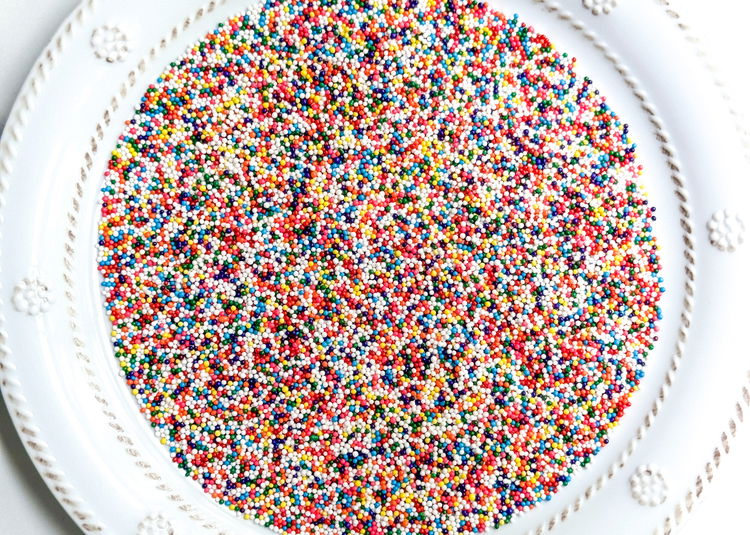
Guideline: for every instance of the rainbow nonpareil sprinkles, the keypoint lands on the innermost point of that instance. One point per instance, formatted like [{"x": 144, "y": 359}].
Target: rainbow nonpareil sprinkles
[{"x": 378, "y": 267}]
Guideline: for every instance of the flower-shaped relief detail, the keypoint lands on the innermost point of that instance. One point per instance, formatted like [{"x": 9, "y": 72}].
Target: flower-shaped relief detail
[
  {"x": 597, "y": 7},
  {"x": 648, "y": 486},
  {"x": 110, "y": 43},
  {"x": 32, "y": 297},
  {"x": 726, "y": 231},
  {"x": 155, "y": 524}
]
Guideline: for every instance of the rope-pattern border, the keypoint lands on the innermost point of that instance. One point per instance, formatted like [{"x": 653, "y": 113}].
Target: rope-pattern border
[
  {"x": 31, "y": 436},
  {"x": 700, "y": 51},
  {"x": 688, "y": 502},
  {"x": 69, "y": 261}
]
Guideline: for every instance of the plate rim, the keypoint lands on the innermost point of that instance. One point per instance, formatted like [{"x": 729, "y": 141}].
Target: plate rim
[{"x": 12, "y": 390}]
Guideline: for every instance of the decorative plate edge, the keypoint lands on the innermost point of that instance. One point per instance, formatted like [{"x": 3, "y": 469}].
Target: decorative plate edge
[
  {"x": 73, "y": 213},
  {"x": 692, "y": 497},
  {"x": 12, "y": 390},
  {"x": 696, "y": 491}
]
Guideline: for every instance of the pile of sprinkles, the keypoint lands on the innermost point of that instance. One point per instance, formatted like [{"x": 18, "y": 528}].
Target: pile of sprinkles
[{"x": 378, "y": 266}]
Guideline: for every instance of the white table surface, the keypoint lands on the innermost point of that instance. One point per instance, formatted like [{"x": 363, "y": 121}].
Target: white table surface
[{"x": 28, "y": 508}]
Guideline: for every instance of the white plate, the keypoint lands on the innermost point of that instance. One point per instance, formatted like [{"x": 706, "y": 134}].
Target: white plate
[{"x": 81, "y": 425}]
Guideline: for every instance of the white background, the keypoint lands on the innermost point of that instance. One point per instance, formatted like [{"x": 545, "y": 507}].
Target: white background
[{"x": 27, "y": 507}]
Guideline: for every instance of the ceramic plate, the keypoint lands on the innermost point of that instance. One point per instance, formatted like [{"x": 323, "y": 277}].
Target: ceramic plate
[{"x": 81, "y": 425}]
